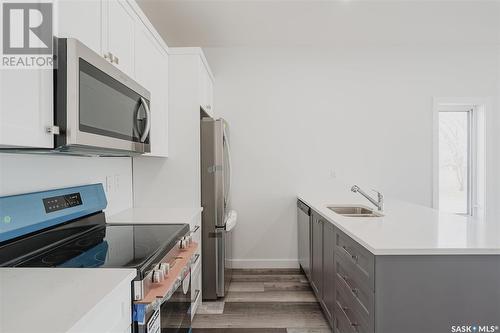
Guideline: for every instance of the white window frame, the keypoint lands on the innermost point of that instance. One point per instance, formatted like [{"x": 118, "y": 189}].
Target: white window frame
[{"x": 477, "y": 151}]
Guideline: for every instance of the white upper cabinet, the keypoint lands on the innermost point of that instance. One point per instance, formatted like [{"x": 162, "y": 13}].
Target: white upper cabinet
[
  {"x": 151, "y": 69},
  {"x": 26, "y": 108},
  {"x": 80, "y": 19},
  {"x": 206, "y": 88},
  {"x": 119, "y": 32},
  {"x": 118, "y": 35}
]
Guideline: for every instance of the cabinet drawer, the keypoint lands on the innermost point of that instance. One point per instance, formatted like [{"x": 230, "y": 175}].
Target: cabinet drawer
[
  {"x": 348, "y": 316},
  {"x": 341, "y": 323},
  {"x": 195, "y": 287},
  {"x": 359, "y": 299},
  {"x": 196, "y": 233},
  {"x": 361, "y": 292},
  {"x": 357, "y": 259}
]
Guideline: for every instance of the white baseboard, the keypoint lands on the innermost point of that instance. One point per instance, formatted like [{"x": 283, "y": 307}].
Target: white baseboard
[{"x": 264, "y": 263}]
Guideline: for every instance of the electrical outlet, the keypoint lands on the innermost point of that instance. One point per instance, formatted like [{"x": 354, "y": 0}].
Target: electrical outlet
[
  {"x": 109, "y": 184},
  {"x": 117, "y": 182},
  {"x": 333, "y": 173}
]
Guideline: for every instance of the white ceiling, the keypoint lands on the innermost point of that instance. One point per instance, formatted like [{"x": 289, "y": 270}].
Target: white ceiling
[{"x": 290, "y": 23}]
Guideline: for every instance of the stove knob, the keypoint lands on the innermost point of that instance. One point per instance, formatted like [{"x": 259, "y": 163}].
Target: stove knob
[
  {"x": 157, "y": 276},
  {"x": 164, "y": 268},
  {"x": 183, "y": 243}
]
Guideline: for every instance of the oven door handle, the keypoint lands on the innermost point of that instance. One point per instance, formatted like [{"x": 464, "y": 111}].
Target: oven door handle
[{"x": 148, "y": 120}]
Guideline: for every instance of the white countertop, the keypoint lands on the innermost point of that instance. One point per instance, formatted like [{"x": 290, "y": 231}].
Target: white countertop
[
  {"x": 53, "y": 299},
  {"x": 409, "y": 229},
  {"x": 155, "y": 215}
]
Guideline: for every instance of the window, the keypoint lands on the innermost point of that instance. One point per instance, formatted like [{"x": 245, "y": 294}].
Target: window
[{"x": 458, "y": 166}]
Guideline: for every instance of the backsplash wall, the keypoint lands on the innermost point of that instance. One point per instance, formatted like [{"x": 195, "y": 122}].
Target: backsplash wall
[{"x": 21, "y": 173}]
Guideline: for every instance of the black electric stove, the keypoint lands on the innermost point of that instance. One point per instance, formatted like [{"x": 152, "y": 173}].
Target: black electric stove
[
  {"x": 43, "y": 232},
  {"x": 94, "y": 245}
]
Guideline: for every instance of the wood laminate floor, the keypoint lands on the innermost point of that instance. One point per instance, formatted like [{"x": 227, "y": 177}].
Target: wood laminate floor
[{"x": 264, "y": 301}]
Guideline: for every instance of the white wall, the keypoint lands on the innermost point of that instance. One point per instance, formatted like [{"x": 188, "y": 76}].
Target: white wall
[
  {"x": 22, "y": 173},
  {"x": 297, "y": 114}
]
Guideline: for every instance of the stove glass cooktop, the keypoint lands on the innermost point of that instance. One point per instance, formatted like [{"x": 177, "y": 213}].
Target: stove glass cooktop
[{"x": 112, "y": 246}]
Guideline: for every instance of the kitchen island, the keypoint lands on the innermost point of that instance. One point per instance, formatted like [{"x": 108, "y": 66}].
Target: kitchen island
[{"x": 415, "y": 269}]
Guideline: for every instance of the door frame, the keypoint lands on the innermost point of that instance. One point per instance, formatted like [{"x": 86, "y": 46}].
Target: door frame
[{"x": 480, "y": 135}]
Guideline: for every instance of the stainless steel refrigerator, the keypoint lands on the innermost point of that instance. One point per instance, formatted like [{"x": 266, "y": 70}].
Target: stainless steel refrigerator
[{"x": 217, "y": 218}]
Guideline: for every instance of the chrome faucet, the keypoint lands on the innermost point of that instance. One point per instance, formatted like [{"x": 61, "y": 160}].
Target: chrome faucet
[{"x": 378, "y": 203}]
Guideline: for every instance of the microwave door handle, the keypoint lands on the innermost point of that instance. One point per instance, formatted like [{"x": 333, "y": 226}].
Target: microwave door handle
[{"x": 148, "y": 120}]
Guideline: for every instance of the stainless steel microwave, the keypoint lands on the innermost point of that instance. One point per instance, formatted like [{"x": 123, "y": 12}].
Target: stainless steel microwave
[{"x": 99, "y": 110}]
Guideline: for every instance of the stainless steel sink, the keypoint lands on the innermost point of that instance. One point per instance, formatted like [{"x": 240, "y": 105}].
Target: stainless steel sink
[{"x": 355, "y": 211}]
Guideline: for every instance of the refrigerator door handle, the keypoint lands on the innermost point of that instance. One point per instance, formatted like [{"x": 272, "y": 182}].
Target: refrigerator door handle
[
  {"x": 227, "y": 151},
  {"x": 230, "y": 223}
]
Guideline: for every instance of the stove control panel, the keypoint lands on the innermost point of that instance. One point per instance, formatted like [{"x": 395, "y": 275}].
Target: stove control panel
[
  {"x": 22, "y": 214},
  {"x": 54, "y": 204}
]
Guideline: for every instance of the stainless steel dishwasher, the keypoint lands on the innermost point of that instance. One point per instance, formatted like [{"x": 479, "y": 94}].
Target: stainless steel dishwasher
[{"x": 304, "y": 237}]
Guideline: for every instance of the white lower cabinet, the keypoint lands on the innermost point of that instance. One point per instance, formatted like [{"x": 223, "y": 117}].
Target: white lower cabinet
[
  {"x": 195, "y": 287},
  {"x": 112, "y": 315},
  {"x": 196, "y": 281}
]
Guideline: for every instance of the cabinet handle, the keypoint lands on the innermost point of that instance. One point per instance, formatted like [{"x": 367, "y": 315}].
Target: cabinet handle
[
  {"x": 197, "y": 295},
  {"x": 353, "y": 256},
  {"x": 148, "y": 120},
  {"x": 108, "y": 56},
  {"x": 346, "y": 279},
  {"x": 52, "y": 130},
  {"x": 196, "y": 257},
  {"x": 344, "y": 309}
]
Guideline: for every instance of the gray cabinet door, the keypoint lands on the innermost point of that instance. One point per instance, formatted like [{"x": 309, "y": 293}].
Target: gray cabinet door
[
  {"x": 329, "y": 269},
  {"x": 304, "y": 237},
  {"x": 317, "y": 256}
]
